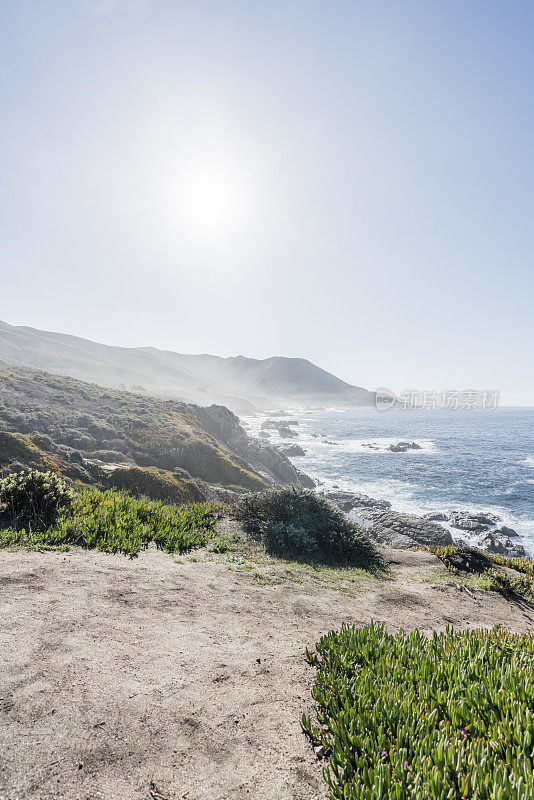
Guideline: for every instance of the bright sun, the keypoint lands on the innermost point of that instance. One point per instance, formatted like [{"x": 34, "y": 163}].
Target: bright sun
[{"x": 214, "y": 205}]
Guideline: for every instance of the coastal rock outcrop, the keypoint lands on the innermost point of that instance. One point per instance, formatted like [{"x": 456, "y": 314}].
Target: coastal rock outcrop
[
  {"x": 287, "y": 433},
  {"x": 259, "y": 454},
  {"x": 348, "y": 501},
  {"x": 492, "y": 542},
  {"x": 504, "y": 530},
  {"x": 277, "y": 423},
  {"x": 404, "y": 531},
  {"x": 291, "y": 450},
  {"x": 468, "y": 521},
  {"x": 407, "y": 530},
  {"x": 490, "y": 538}
]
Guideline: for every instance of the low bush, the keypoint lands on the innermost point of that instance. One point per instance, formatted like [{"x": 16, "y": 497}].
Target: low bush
[
  {"x": 463, "y": 559},
  {"x": 407, "y": 717},
  {"x": 116, "y": 522},
  {"x": 301, "y": 524},
  {"x": 34, "y": 500}
]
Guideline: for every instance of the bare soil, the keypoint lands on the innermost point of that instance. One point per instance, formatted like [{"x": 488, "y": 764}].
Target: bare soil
[{"x": 147, "y": 678}]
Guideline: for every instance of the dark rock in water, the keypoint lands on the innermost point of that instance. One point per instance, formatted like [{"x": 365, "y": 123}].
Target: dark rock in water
[
  {"x": 472, "y": 521},
  {"x": 277, "y": 423},
  {"x": 436, "y": 516},
  {"x": 269, "y": 423},
  {"x": 371, "y": 446},
  {"x": 415, "y": 531},
  {"x": 286, "y": 433},
  {"x": 402, "y": 447},
  {"x": 468, "y": 525},
  {"x": 290, "y": 450},
  {"x": 501, "y": 545},
  {"x": 505, "y": 531},
  {"x": 486, "y": 518}
]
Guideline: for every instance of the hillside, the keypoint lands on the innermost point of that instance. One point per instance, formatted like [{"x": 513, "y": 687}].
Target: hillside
[
  {"x": 163, "y": 448},
  {"x": 240, "y": 383}
]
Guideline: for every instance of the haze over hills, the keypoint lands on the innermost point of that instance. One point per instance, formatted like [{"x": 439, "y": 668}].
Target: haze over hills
[{"x": 243, "y": 384}]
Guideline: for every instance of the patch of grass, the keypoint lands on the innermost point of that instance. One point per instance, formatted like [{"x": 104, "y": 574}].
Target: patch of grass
[
  {"x": 301, "y": 525},
  {"x": 118, "y": 523},
  {"x": 220, "y": 545},
  {"x": 461, "y": 560},
  {"x": 245, "y": 549},
  {"x": 410, "y": 717},
  {"x": 262, "y": 579}
]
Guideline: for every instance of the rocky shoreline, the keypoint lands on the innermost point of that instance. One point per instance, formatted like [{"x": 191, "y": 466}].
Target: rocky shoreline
[
  {"x": 386, "y": 526},
  {"x": 403, "y": 531}
]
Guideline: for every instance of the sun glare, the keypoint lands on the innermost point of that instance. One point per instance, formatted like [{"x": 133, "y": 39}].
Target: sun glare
[{"x": 214, "y": 205}]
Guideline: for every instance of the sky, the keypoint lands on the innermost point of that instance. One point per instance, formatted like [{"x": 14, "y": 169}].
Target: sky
[{"x": 348, "y": 182}]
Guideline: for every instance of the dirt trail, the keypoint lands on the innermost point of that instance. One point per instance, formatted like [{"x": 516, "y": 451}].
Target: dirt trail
[{"x": 150, "y": 679}]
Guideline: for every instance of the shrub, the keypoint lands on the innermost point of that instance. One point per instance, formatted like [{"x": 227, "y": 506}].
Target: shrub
[
  {"x": 460, "y": 558},
  {"x": 408, "y": 717},
  {"x": 33, "y": 499},
  {"x": 299, "y": 523}
]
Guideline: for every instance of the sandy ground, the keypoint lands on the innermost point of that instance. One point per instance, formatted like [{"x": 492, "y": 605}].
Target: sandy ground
[{"x": 125, "y": 679}]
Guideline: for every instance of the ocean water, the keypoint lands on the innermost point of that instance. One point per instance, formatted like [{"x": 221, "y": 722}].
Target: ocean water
[{"x": 469, "y": 460}]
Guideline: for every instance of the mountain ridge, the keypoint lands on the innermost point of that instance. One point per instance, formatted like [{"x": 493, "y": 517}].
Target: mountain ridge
[{"x": 241, "y": 383}]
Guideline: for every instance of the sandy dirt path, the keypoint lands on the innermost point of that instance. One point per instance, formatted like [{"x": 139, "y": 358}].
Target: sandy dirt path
[{"x": 124, "y": 679}]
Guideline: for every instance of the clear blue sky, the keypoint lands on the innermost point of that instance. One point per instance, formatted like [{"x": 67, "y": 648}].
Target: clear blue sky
[{"x": 351, "y": 182}]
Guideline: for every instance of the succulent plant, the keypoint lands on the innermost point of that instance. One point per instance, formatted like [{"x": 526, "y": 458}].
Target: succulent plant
[
  {"x": 116, "y": 522},
  {"x": 406, "y": 716}
]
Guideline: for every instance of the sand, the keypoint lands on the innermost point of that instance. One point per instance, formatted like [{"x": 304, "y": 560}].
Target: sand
[{"x": 146, "y": 678}]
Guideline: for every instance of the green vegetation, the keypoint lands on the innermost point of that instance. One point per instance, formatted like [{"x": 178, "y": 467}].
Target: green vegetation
[
  {"x": 302, "y": 525},
  {"x": 49, "y": 422},
  {"x": 220, "y": 545},
  {"x": 407, "y": 717},
  {"x": 170, "y": 487},
  {"x": 34, "y": 500},
  {"x": 467, "y": 560},
  {"x": 118, "y": 523},
  {"x": 523, "y": 564}
]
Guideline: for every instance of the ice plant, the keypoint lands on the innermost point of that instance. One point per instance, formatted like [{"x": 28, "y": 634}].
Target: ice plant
[{"x": 420, "y": 696}]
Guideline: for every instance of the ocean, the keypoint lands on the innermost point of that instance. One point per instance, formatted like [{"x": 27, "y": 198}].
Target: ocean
[{"x": 473, "y": 460}]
